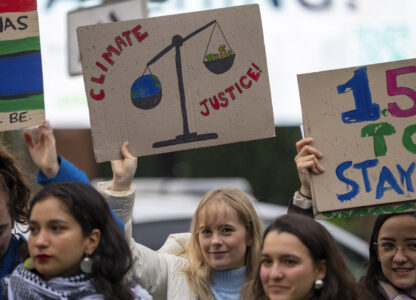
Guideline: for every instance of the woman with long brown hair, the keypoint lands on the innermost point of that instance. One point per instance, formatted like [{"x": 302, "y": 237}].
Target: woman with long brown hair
[{"x": 77, "y": 250}]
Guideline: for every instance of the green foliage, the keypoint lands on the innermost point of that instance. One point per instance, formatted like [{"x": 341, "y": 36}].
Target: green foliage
[
  {"x": 364, "y": 211},
  {"x": 157, "y": 82}
]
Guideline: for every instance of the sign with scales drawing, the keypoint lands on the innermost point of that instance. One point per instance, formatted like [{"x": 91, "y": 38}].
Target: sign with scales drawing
[{"x": 176, "y": 82}]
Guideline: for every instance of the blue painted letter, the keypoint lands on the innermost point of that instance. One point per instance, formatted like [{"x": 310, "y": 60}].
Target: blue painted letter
[
  {"x": 355, "y": 188},
  {"x": 365, "y": 109},
  {"x": 406, "y": 175},
  {"x": 387, "y": 176},
  {"x": 364, "y": 166}
]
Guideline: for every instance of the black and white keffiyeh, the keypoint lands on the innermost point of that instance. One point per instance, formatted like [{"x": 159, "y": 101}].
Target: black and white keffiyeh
[{"x": 24, "y": 284}]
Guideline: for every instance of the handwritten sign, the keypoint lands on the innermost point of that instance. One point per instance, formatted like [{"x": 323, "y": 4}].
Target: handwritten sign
[
  {"x": 112, "y": 12},
  {"x": 362, "y": 119},
  {"x": 176, "y": 82},
  {"x": 21, "y": 87}
]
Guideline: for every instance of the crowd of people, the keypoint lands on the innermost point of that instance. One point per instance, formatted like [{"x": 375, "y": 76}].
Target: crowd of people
[{"x": 80, "y": 243}]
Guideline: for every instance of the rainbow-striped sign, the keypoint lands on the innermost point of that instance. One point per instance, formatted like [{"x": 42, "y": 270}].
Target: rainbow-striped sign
[{"x": 21, "y": 81}]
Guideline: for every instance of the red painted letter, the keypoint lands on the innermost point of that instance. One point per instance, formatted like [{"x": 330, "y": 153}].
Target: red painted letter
[
  {"x": 223, "y": 99},
  {"x": 137, "y": 33},
  {"x": 246, "y": 86},
  {"x": 206, "y": 107},
  {"x": 95, "y": 96},
  {"x": 216, "y": 104},
  {"x": 126, "y": 34},
  {"x": 106, "y": 55},
  {"x": 255, "y": 76},
  {"x": 119, "y": 41},
  {"x": 230, "y": 91},
  {"x": 98, "y": 80}
]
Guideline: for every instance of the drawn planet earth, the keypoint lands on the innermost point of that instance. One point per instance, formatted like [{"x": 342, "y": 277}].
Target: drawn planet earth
[{"x": 146, "y": 92}]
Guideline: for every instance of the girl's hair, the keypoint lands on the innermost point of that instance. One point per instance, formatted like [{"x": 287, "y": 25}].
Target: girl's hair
[
  {"x": 374, "y": 272},
  {"x": 112, "y": 257},
  {"x": 339, "y": 283},
  {"x": 15, "y": 186},
  {"x": 198, "y": 273}
]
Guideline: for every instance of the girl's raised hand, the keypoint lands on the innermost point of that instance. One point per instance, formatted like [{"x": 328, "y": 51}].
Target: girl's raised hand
[{"x": 307, "y": 162}]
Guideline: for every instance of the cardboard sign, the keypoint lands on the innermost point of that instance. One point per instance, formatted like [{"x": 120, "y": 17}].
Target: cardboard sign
[
  {"x": 113, "y": 12},
  {"x": 363, "y": 121},
  {"x": 21, "y": 81},
  {"x": 176, "y": 82}
]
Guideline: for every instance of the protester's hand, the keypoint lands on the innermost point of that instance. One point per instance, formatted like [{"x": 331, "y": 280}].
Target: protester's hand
[
  {"x": 123, "y": 169},
  {"x": 43, "y": 152},
  {"x": 307, "y": 161}
]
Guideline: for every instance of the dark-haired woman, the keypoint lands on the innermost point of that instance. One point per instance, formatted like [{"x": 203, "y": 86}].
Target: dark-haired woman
[
  {"x": 77, "y": 251},
  {"x": 391, "y": 273},
  {"x": 15, "y": 192},
  {"x": 300, "y": 261}
]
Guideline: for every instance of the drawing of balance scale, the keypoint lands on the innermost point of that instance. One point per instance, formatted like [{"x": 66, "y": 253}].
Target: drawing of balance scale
[{"x": 146, "y": 91}]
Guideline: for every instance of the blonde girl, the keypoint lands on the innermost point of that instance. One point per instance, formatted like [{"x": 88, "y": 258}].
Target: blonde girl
[{"x": 216, "y": 260}]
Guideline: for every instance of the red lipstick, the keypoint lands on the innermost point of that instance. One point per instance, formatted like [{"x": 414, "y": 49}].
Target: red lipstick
[{"x": 42, "y": 257}]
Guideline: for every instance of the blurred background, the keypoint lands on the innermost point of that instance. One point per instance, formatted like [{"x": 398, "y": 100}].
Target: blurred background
[{"x": 301, "y": 36}]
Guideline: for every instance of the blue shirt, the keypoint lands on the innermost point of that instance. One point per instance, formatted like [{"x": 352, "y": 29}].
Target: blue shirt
[{"x": 227, "y": 284}]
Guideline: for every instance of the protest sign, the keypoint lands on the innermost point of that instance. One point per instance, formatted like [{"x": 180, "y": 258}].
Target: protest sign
[
  {"x": 112, "y": 12},
  {"x": 362, "y": 119},
  {"x": 21, "y": 87},
  {"x": 176, "y": 82}
]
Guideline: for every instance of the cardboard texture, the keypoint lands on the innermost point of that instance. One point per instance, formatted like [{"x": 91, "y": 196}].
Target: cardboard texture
[
  {"x": 177, "y": 82},
  {"x": 113, "y": 12},
  {"x": 362, "y": 119},
  {"x": 21, "y": 87}
]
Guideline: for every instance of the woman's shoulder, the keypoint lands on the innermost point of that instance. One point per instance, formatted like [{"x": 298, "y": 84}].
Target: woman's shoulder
[{"x": 176, "y": 245}]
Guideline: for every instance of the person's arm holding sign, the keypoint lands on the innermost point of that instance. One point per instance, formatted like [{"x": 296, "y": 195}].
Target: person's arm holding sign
[
  {"x": 123, "y": 170},
  {"x": 52, "y": 168},
  {"x": 307, "y": 163},
  {"x": 120, "y": 191},
  {"x": 148, "y": 268}
]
